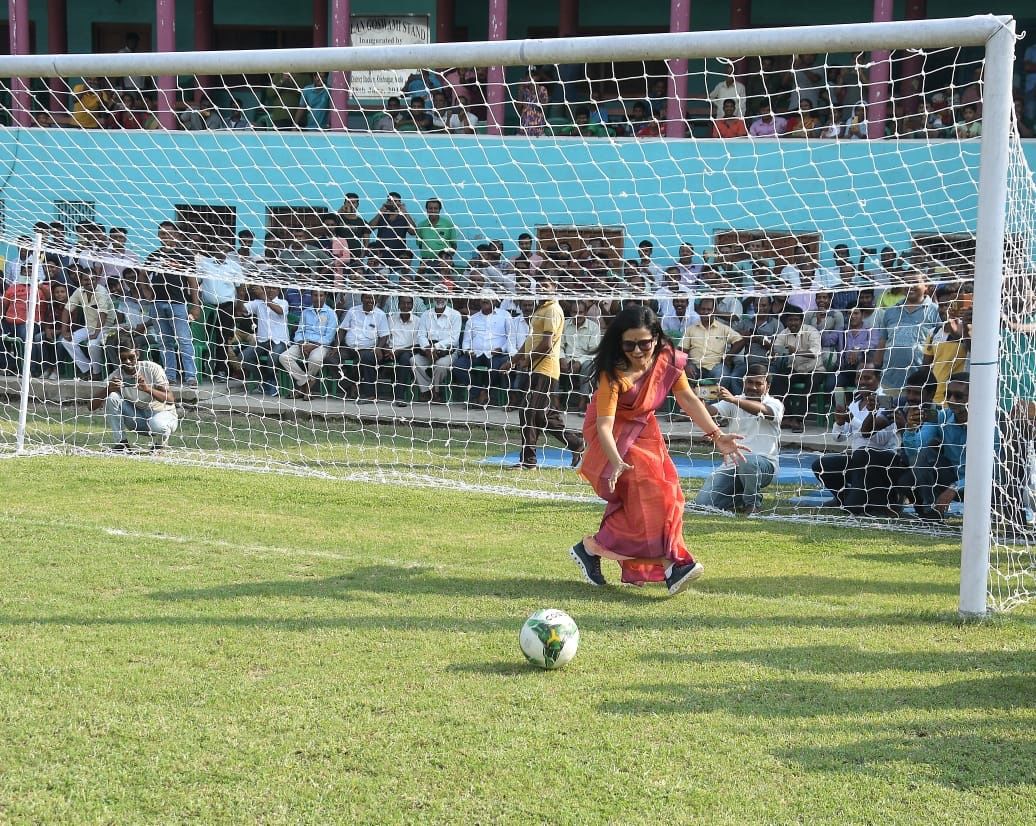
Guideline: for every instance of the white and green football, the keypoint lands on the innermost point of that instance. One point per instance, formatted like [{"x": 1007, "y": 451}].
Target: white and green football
[{"x": 549, "y": 638}]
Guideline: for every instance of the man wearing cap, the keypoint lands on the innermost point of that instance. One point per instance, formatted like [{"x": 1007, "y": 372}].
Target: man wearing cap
[{"x": 543, "y": 351}]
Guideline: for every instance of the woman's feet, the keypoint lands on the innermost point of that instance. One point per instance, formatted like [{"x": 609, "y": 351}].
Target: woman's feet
[
  {"x": 589, "y": 564},
  {"x": 680, "y": 576}
]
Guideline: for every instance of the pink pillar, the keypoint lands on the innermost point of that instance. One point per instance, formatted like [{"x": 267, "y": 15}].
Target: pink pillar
[
  {"x": 18, "y": 28},
  {"x": 679, "y": 21},
  {"x": 319, "y": 23},
  {"x": 568, "y": 18},
  {"x": 913, "y": 65},
  {"x": 165, "y": 20},
  {"x": 341, "y": 32},
  {"x": 203, "y": 24},
  {"x": 57, "y": 43},
  {"x": 495, "y": 76},
  {"x": 445, "y": 20},
  {"x": 878, "y": 82}
]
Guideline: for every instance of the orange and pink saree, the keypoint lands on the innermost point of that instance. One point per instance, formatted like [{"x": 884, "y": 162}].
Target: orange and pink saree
[{"x": 642, "y": 526}]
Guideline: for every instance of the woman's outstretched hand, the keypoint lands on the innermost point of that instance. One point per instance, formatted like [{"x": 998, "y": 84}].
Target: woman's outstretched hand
[{"x": 730, "y": 447}]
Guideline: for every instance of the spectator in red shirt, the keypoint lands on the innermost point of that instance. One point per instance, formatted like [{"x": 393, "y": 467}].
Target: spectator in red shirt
[
  {"x": 14, "y": 315},
  {"x": 730, "y": 125}
]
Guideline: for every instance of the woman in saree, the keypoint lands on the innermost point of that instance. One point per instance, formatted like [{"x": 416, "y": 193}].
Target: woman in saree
[{"x": 626, "y": 461}]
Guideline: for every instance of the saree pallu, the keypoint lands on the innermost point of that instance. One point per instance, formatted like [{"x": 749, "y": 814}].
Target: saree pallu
[{"x": 642, "y": 527}]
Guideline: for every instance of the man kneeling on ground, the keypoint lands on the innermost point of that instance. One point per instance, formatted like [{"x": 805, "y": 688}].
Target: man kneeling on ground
[
  {"x": 756, "y": 415},
  {"x": 137, "y": 397}
]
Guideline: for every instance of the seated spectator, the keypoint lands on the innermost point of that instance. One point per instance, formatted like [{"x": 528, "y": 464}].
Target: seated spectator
[
  {"x": 364, "y": 338},
  {"x": 417, "y": 118},
  {"x": 678, "y": 317},
  {"x": 98, "y": 314},
  {"x": 804, "y": 124},
  {"x": 938, "y": 117},
  {"x": 855, "y": 127},
  {"x": 137, "y": 398},
  {"x": 271, "y": 337},
  {"x": 236, "y": 117},
  {"x": 404, "y": 332},
  {"x": 861, "y": 477},
  {"x": 948, "y": 347},
  {"x": 279, "y": 102},
  {"x": 582, "y": 127},
  {"x": 708, "y": 343},
  {"x": 89, "y": 109},
  {"x": 641, "y": 124},
  {"x": 859, "y": 347},
  {"x": 488, "y": 343},
  {"x": 313, "y": 339},
  {"x": 766, "y": 125},
  {"x": 730, "y": 124},
  {"x": 831, "y": 324},
  {"x": 758, "y": 329},
  {"x": 387, "y": 119},
  {"x": 206, "y": 116},
  {"x": 936, "y": 477},
  {"x": 438, "y": 339},
  {"x": 969, "y": 124},
  {"x": 796, "y": 359},
  {"x": 756, "y": 416},
  {"x": 578, "y": 344},
  {"x": 904, "y": 330},
  {"x": 461, "y": 119},
  {"x": 50, "y": 311}
]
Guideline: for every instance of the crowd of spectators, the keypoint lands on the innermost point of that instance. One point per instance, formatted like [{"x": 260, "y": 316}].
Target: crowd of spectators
[{"x": 795, "y": 96}]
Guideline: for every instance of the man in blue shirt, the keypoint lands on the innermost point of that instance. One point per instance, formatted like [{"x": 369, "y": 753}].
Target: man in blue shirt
[
  {"x": 905, "y": 330},
  {"x": 305, "y": 358},
  {"x": 315, "y": 111},
  {"x": 938, "y": 470}
]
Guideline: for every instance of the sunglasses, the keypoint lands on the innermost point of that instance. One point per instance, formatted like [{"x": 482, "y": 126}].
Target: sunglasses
[{"x": 645, "y": 345}]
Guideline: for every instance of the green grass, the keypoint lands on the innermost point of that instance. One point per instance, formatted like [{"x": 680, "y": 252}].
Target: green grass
[{"x": 186, "y": 645}]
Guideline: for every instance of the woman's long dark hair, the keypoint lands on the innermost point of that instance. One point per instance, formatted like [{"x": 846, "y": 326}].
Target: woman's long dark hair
[{"x": 609, "y": 356}]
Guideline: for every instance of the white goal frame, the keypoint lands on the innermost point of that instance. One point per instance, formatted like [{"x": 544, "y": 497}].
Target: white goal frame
[{"x": 996, "y": 34}]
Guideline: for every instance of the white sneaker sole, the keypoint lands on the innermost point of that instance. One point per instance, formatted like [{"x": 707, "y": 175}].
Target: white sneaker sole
[{"x": 688, "y": 578}]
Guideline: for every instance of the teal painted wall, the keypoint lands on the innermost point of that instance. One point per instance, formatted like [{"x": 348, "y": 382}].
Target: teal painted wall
[{"x": 858, "y": 193}]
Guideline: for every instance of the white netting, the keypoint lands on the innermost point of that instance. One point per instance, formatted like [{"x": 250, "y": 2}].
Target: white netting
[{"x": 847, "y": 229}]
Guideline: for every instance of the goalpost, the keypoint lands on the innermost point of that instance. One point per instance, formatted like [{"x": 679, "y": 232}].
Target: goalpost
[{"x": 767, "y": 219}]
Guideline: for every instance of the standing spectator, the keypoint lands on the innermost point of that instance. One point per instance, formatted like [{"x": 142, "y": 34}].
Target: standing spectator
[
  {"x": 578, "y": 345},
  {"x": 766, "y": 125},
  {"x": 808, "y": 80},
  {"x": 730, "y": 88},
  {"x": 796, "y": 352},
  {"x": 52, "y": 304},
  {"x": 364, "y": 335},
  {"x": 271, "y": 337},
  {"x": 353, "y": 228},
  {"x": 137, "y": 397},
  {"x": 654, "y": 274},
  {"x": 88, "y": 111},
  {"x": 472, "y": 87},
  {"x": 438, "y": 338},
  {"x": 404, "y": 330},
  {"x": 905, "y": 328},
  {"x": 279, "y": 101},
  {"x": 538, "y": 415},
  {"x": 221, "y": 278},
  {"x": 948, "y": 347},
  {"x": 488, "y": 344},
  {"x": 436, "y": 233},
  {"x": 116, "y": 258},
  {"x": 305, "y": 358},
  {"x": 756, "y": 417},
  {"x": 970, "y": 124},
  {"x": 689, "y": 268},
  {"x": 245, "y": 255},
  {"x": 98, "y": 313},
  {"x": 133, "y": 83},
  {"x": 177, "y": 303},
  {"x": 729, "y": 124},
  {"x": 391, "y": 226},
  {"x": 14, "y": 318},
  {"x": 532, "y": 98},
  {"x": 708, "y": 343},
  {"x": 315, "y": 109},
  {"x": 859, "y": 346}
]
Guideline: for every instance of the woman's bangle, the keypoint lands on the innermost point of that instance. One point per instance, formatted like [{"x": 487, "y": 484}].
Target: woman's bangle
[{"x": 712, "y": 434}]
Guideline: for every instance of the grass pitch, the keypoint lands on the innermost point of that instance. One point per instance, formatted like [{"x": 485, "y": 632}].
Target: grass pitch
[{"x": 186, "y": 645}]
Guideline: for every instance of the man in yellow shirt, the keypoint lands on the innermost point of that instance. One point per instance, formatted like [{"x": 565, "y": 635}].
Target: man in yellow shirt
[
  {"x": 543, "y": 350},
  {"x": 708, "y": 343}
]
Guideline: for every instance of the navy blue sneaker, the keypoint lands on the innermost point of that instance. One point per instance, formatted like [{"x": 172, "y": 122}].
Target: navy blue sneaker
[
  {"x": 681, "y": 576},
  {"x": 589, "y": 564}
]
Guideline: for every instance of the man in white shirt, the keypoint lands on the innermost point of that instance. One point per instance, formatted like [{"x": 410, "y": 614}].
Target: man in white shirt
[
  {"x": 363, "y": 344},
  {"x": 730, "y": 88},
  {"x": 688, "y": 267},
  {"x": 117, "y": 258},
  {"x": 756, "y": 416},
  {"x": 404, "y": 329},
  {"x": 271, "y": 337},
  {"x": 578, "y": 343},
  {"x": 652, "y": 271},
  {"x": 487, "y": 346},
  {"x": 220, "y": 277},
  {"x": 438, "y": 338}
]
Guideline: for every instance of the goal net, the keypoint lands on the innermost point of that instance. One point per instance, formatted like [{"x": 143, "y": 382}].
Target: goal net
[{"x": 335, "y": 257}]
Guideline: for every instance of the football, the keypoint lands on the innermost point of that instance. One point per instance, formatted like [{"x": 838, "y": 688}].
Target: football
[{"x": 549, "y": 638}]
